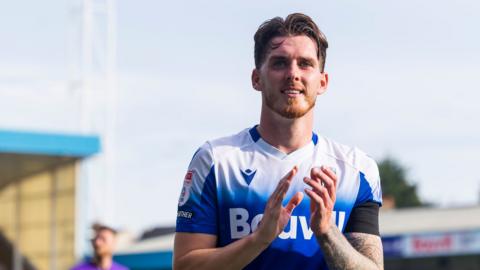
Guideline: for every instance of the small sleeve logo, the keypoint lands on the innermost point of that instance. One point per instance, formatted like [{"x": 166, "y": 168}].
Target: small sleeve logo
[{"x": 187, "y": 185}]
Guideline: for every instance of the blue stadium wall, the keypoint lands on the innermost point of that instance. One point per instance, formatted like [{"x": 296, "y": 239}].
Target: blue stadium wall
[{"x": 161, "y": 260}]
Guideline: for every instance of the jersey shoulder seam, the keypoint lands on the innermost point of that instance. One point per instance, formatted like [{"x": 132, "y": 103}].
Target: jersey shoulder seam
[
  {"x": 235, "y": 141},
  {"x": 355, "y": 152}
]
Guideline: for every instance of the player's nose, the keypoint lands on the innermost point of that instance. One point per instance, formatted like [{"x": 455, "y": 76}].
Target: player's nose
[{"x": 292, "y": 72}]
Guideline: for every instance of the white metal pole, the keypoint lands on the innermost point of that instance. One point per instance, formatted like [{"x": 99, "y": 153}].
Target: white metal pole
[
  {"x": 87, "y": 49},
  {"x": 111, "y": 114},
  {"x": 82, "y": 182}
]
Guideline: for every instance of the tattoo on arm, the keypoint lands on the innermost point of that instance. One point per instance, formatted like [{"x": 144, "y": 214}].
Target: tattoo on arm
[
  {"x": 354, "y": 251},
  {"x": 369, "y": 245}
]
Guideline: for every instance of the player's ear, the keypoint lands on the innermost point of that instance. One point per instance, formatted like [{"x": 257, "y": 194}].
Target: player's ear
[
  {"x": 323, "y": 83},
  {"x": 256, "y": 79}
]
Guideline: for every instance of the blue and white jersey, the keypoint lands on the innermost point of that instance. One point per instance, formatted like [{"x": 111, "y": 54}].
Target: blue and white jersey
[{"x": 229, "y": 181}]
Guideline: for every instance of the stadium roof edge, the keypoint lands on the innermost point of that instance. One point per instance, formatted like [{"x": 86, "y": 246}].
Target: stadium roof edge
[
  {"x": 48, "y": 143},
  {"x": 429, "y": 219}
]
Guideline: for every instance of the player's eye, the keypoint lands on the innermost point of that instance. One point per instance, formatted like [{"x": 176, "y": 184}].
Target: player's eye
[
  {"x": 279, "y": 63},
  {"x": 305, "y": 63}
]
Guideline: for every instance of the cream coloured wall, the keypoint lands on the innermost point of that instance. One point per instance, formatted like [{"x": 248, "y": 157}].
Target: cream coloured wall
[{"x": 37, "y": 212}]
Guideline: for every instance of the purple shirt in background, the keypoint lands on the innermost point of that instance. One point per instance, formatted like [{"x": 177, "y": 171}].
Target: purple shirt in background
[{"x": 91, "y": 266}]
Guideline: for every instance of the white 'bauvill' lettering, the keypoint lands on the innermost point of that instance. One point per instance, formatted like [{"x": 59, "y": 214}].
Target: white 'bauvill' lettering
[
  {"x": 239, "y": 226},
  {"x": 238, "y": 223}
]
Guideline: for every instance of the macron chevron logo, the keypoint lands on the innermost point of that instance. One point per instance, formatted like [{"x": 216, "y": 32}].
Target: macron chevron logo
[{"x": 248, "y": 175}]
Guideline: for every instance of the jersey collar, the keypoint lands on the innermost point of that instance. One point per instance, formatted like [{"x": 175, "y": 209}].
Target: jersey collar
[{"x": 255, "y": 135}]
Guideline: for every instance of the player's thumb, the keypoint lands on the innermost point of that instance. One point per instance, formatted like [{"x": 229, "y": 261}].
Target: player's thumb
[{"x": 294, "y": 201}]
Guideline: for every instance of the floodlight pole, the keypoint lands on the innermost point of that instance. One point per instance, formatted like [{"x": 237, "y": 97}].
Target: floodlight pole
[{"x": 96, "y": 20}]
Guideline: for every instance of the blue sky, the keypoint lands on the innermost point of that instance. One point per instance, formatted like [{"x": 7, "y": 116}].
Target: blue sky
[{"x": 403, "y": 82}]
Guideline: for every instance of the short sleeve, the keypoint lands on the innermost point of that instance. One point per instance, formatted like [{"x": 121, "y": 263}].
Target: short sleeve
[
  {"x": 364, "y": 215},
  {"x": 370, "y": 189},
  {"x": 197, "y": 205}
]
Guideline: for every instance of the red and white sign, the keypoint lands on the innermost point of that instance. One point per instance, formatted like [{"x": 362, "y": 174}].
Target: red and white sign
[
  {"x": 441, "y": 244},
  {"x": 432, "y": 244}
]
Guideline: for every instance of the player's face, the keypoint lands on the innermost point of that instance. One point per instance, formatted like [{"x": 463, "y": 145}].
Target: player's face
[
  {"x": 290, "y": 78},
  {"x": 103, "y": 243}
]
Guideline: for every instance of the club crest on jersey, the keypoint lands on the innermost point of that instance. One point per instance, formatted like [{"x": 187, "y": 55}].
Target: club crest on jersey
[
  {"x": 248, "y": 175},
  {"x": 187, "y": 184}
]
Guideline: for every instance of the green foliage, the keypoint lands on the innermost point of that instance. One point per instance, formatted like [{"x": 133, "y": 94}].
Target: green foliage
[{"x": 395, "y": 183}]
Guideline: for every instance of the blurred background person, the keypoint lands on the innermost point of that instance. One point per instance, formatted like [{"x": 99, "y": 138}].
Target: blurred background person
[{"x": 103, "y": 243}]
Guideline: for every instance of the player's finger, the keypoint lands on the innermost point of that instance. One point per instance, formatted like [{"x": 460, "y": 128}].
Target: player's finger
[
  {"x": 294, "y": 201},
  {"x": 313, "y": 206},
  {"x": 282, "y": 187},
  {"x": 320, "y": 190},
  {"x": 316, "y": 171},
  {"x": 326, "y": 180},
  {"x": 274, "y": 200},
  {"x": 330, "y": 173},
  {"x": 327, "y": 200},
  {"x": 315, "y": 174},
  {"x": 329, "y": 184},
  {"x": 316, "y": 199},
  {"x": 316, "y": 186},
  {"x": 292, "y": 173},
  {"x": 287, "y": 178}
]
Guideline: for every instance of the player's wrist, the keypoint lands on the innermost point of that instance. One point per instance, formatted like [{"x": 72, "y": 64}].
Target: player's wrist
[
  {"x": 323, "y": 234},
  {"x": 259, "y": 240}
]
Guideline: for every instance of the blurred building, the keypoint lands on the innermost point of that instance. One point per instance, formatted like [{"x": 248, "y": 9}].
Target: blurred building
[
  {"x": 152, "y": 251},
  {"x": 42, "y": 191},
  {"x": 39, "y": 195},
  {"x": 413, "y": 239},
  {"x": 431, "y": 238}
]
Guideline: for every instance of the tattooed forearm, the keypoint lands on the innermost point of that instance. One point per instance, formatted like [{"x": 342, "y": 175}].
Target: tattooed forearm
[
  {"x": 363, "y": 252},
  {"x": 369, "y": 245}
]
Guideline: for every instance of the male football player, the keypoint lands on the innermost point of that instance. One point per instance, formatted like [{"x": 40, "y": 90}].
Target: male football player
[{"x": 243, "y": 203}]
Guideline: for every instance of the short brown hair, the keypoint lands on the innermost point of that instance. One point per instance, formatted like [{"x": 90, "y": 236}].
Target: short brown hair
[
  {"x": 97, "y": 227},
  {"x": 294, "y": 25}
]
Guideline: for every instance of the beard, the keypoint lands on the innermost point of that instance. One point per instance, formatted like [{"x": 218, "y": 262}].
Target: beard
[{"x": 294, "y": 107}]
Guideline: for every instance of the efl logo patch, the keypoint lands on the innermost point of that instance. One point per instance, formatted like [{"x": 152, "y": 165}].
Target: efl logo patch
[
  {"x": 188, "y": 176},
  {"x": 187, "y": 185}
]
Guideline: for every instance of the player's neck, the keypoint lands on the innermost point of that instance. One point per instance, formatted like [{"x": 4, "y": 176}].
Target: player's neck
[
  {"x": 103, "y": 262},
  {"x": 287, "y": 135}
]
